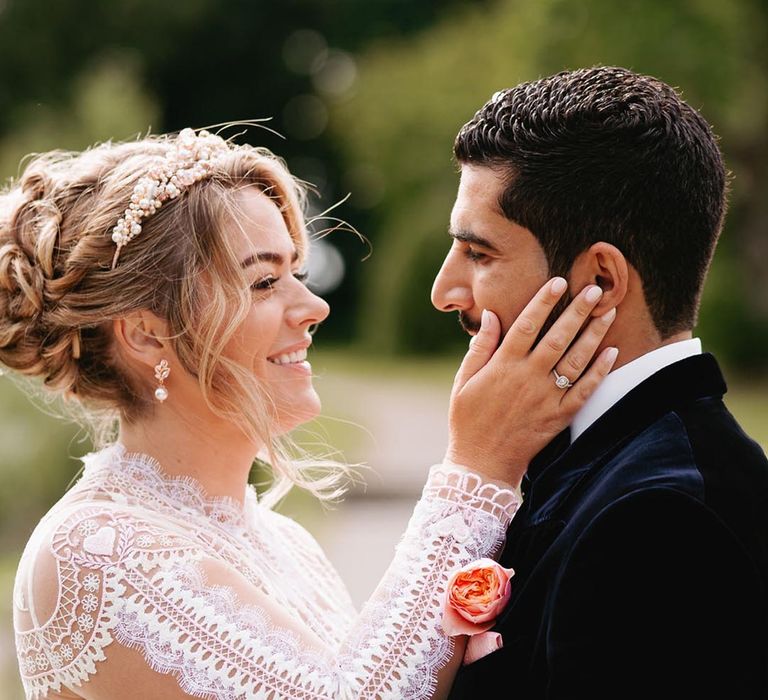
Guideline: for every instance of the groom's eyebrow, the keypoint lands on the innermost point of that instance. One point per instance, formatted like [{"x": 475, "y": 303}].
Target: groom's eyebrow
[{"x": 466, "y": 236}]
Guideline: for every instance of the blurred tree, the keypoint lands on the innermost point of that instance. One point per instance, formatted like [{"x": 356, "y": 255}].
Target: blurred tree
[
  {"x": 198, "y": 63},
  {"x": 107, "y": 101},
  {"x": 413, "y": 97}
]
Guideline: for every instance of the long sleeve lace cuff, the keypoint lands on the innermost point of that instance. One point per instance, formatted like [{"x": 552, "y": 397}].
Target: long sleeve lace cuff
[
  {"x": 455, "y": 483},
  {"x": 399, "y": 644}
]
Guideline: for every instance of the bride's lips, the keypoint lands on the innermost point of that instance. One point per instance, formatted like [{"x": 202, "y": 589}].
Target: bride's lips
[{"x": 293, "y": 358}]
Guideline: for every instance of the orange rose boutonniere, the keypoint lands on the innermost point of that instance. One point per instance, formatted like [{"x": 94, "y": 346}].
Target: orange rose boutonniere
[{"x": 476, "y": 594}]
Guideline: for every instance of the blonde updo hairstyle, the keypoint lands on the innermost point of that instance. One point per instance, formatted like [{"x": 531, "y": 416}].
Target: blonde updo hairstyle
[{"x": 59, "y": 295}]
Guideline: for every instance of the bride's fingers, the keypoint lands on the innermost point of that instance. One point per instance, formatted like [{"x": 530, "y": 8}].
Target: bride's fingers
[
  {"x": 557, "y": 339},
  {"x": 575, "y": 397},
  {"x": 524, "y": 330},
  {"x": 481, "y": 349},
  {"x": 581, "y": 352}
]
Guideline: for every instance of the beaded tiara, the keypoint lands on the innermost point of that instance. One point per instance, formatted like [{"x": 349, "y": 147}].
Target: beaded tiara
[{"x": 191, "y": 158}]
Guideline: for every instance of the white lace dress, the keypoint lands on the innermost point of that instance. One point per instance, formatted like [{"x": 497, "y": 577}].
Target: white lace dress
[{"x": 135, "y": 577}]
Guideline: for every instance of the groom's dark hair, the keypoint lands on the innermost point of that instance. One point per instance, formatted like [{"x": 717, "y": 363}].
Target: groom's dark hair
[{"x": 604, "y": 154}]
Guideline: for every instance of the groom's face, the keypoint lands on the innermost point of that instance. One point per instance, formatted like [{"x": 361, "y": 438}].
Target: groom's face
[{"x": 493, "y": 263}]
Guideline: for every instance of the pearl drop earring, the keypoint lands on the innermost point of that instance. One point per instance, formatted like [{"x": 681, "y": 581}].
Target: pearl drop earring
[{"x": 161, "y": 374}]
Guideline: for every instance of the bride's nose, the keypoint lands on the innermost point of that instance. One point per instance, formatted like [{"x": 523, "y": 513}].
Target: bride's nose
[{"x": 308, "y": 309}]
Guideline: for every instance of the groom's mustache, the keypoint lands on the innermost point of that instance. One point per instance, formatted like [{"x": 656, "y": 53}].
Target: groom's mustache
[
  {"x": 471, "y": 326},
  {"x": 468, "y": 324}
]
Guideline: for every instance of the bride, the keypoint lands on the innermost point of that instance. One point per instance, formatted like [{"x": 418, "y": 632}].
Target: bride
[{"x": 158, "y": 284}]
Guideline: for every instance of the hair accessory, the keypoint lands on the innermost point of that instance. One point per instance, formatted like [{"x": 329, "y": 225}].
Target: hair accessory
[
  {"x": 191, "y": 158},
  {"x": 162, "y": 371}
]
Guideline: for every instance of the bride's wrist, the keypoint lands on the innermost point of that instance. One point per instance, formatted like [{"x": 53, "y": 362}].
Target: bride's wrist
[
  {"x": 504, "y": 473},
  {"x": 488, "y": 476}
]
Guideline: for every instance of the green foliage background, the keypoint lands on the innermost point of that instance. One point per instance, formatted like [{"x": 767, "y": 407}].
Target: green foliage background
[
  {"x": 74, "y": 72},
  {"x": 414, "y": 93}
]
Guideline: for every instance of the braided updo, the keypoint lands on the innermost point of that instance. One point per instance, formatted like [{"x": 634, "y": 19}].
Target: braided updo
[
  {"x": 33, "y": 282},
  {"x": 59, "y": 295}
]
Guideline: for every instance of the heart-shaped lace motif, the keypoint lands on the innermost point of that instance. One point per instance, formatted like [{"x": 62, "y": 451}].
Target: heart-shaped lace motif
[
  {"x": 100, "y": 542},
  {"x": 453, "y": 525}
]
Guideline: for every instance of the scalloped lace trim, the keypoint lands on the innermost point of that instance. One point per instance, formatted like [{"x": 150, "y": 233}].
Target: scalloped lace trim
[
  {"x": 65, "y": 651},
  {"x": 141, "y": 476},
  {"x": 452, "y": 483}
]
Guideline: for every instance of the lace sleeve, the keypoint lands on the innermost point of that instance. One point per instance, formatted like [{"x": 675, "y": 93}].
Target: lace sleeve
[{"x": 221, "y": 637}]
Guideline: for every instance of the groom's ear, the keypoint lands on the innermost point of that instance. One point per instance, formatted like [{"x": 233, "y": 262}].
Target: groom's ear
[{"x": 602, "y": 264}]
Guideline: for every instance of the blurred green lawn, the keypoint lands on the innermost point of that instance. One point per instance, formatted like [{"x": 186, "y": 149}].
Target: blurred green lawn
[{"x": 747, "y": 399}]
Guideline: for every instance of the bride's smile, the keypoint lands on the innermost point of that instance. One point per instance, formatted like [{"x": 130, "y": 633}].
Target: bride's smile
[{"x": 274, "y": 337}]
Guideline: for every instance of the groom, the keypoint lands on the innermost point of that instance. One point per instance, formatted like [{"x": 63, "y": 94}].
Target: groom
[{"x": 641, "y": 550}]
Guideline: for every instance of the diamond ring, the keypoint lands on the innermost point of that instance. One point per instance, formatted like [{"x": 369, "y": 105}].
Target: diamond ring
[{"x": 561, "y": 381}]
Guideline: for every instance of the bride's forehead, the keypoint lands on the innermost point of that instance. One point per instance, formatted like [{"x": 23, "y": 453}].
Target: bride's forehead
[{"x": 259, "y": 226}]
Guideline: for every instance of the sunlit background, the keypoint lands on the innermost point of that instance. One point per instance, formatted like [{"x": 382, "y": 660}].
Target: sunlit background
[{"x": 367, "y": 96}]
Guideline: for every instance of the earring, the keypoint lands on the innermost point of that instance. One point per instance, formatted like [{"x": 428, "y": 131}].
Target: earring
[{"x": 161, "y": 374}]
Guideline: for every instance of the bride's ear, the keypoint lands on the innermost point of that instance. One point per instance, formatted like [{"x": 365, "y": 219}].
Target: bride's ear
[
  {"x": 602, "y": 264},
  {"x": 142, "y": 337}
]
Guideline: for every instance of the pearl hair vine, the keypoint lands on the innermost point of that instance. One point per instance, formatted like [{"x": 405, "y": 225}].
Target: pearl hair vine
[{"x": 191, "y": 158}]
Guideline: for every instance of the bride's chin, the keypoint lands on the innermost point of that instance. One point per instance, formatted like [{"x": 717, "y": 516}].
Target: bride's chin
[{"x": 291, "y": 418}]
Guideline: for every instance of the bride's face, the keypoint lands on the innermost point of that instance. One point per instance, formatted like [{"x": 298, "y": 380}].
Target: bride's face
[{"x": 274, "y": 338}]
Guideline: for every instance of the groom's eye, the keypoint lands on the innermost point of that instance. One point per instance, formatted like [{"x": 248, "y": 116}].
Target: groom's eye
[{"x": 473, "y": 254}]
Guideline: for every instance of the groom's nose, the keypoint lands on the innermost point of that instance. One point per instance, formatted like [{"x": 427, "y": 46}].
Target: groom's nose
[{"x": 450, "y": 290}]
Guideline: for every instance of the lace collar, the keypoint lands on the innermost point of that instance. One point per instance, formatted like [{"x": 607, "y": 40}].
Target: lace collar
[{"x": 140, "y": 479}]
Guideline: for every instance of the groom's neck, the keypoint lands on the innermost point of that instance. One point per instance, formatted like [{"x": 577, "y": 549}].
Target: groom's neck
[{"x": 635, "y": 337}]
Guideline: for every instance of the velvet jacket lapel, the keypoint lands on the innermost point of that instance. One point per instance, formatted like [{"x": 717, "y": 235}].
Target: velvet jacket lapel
[{"x": 559, "y": 475}]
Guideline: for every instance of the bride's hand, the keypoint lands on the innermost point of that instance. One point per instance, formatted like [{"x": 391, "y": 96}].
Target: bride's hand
[{"x": 505, "y": 406}]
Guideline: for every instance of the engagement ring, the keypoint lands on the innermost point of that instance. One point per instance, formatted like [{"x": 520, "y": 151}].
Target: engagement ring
[{"x": 561, "y": 381}]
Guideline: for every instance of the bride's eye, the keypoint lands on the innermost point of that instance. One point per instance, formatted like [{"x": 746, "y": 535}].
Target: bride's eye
[
  {"x": 264, "y": 284},
  {"x": 302, "y": 276}
]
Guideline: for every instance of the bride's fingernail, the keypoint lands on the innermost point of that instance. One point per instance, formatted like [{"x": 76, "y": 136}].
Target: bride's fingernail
[
  {"x": 484, "y": 319},
  {"x": 610, "y": 356},
  {"x": 593, "y": 293},
  {"x": 609, "y": 315},
  {"x": 558, "y": 286}
]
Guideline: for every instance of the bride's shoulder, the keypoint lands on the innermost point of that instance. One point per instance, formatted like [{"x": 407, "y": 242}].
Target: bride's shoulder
[
  {"x": 98, "y": 528},
  {"x": 71, "y": 578},
  {"x": 88, "y": 538}
]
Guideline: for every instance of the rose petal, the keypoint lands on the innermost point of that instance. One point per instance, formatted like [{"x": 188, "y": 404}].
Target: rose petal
[
  {"x": 479, "y": 613},
  {"x": 484, "y": 563},
  {"x": 454, "y": 623},
  {"x": 477, "y": 593},
  {"x": 481, "y": 645},
  {"x": 504, "y": 574},
  {"x": 479, "y": 618}
]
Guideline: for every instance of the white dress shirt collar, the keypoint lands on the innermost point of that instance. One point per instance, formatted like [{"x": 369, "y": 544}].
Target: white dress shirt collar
[{"x": 621, "y": 381}]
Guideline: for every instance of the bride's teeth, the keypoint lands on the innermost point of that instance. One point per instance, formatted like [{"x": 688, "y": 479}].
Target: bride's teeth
[{"x": 289, "y": 358}]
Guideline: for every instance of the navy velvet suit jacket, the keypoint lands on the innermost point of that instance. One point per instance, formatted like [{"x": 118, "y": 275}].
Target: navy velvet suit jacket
[{"x": 641, "y": 556}]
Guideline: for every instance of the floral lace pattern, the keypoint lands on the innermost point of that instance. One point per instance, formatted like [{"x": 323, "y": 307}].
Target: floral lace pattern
[{"x": 236, "y": 601}]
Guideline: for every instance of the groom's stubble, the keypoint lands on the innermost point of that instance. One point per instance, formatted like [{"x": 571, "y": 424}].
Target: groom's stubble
[{"x": 472, "y": 326}]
